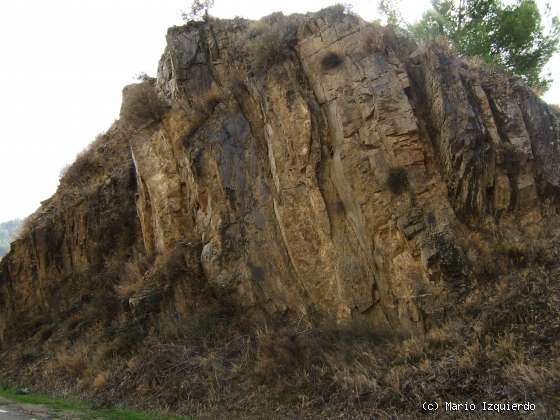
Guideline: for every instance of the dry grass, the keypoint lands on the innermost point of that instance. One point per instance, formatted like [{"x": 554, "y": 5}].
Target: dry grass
[
  {"x": 100, "y": 380},
  {"x": 372, "y": 39},
  {"x": 261, "y": 45},
  {"x": 132, "y": 279},
  {"x": 334, "y": 13},
  {"x": 269, "y": 42},
  {"x": 279, "y": 354},
  {"x": 506, "y": 347},
  {"x": 26, "y": 227},
  {"x": 272, "y": 37},
  {"x": 94, "y": 160},
  {"x": 535, "y": 379},
  {"x": 142, "y": 104},
  {"x": 76, "y": 172},
  {"x": 155, "y": 272},
  {"x": 73, "y": 361}
]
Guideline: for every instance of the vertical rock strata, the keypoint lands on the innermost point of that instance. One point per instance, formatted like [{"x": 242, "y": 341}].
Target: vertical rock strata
[{"x": 358, "y": 176}]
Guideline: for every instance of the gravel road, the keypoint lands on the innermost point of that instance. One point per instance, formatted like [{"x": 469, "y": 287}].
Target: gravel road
[{"x": 11, "y": 410}]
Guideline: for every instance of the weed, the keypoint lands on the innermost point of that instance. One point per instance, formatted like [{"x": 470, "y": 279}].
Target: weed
[
  {"x": 142, "y": 104},
  {"x": 272, "y": 37},
  {"x": 73, "y": 361}
]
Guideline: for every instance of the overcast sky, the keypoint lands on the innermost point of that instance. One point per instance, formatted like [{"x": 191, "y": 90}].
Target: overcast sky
[{"x": 63, "y": 64}]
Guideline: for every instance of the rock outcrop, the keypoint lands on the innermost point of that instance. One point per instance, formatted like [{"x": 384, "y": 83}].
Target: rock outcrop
[{"x": 325, "y": 169}]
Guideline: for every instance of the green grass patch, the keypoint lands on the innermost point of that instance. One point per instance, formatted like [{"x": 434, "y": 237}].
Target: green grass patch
[
  {"x": 125, "y": 414},
  {"x": 83, "y": 409}
]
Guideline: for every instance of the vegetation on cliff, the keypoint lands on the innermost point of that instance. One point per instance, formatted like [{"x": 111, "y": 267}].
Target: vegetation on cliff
[
  {"x": 511, "y": 35},
  {"x": 329, "y": 221}
]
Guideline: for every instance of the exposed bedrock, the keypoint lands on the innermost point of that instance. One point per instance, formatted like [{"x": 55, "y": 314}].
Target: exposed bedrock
[{"x": 351, "y": 174}]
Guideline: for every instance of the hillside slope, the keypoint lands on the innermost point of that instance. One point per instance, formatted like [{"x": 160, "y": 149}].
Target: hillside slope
[{"x": 306, "y": 207}]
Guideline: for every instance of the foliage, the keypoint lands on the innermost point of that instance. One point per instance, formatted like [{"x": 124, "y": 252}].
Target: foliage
[
  {"x": 199, "y": 9},
  {"x": 510, "y": 35},
  {"x": 390, "y": 9}
]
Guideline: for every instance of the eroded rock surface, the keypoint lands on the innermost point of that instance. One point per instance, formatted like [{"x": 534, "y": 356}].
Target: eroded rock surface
[{"x": 349, "y": 174}]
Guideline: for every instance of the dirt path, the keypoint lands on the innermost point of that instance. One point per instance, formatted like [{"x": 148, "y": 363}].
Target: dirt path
[{"x": 11, "y": 410}]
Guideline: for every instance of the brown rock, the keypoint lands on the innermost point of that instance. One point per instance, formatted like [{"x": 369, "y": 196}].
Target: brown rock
[{"x": 279, "y": 177}]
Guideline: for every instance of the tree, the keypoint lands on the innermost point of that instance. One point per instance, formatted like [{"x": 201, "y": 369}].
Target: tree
[
  {"x": 390, "y": 9},
  {"x": 199, "y": 9},
  {"x": 509, "y": 35}
]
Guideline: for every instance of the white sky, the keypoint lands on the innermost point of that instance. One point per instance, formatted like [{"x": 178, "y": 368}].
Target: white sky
[{"x": 63, "y": 64}]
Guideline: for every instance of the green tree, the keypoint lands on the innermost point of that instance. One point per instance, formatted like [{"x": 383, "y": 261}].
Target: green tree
[
  {"x": 199, "y": 9},
  {"x": 510, "y": 35},
  {"x": 390, "y": 9}
]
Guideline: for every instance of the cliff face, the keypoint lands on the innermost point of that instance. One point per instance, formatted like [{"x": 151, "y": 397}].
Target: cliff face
[
  {"x": 304, "y": 168},
  {"x": 359, "y": 176}
]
